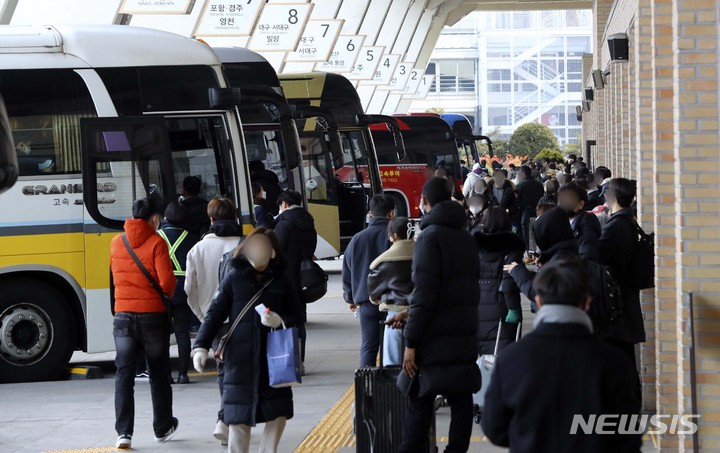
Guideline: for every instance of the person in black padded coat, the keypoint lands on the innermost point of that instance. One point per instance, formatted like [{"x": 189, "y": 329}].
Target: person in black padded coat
[
  {"x": 248, "y": 398},
  {"x": 499, "y": 295}
]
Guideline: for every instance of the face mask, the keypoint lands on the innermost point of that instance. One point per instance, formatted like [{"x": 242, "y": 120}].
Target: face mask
[
  {"x": 258, "y": 257},
  {"x": 263, "y": 195},
  {"x": 422, "y": 209},
  {"x": 475, "y": 210}
]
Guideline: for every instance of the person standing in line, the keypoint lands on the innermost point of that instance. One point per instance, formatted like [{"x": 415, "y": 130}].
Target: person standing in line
[
  {"x": 198, "y": 222},
  {"x": 586, "y": 226},
  {"x": 362, "y": 250},
  {"x": 390, "y": 285},
  {"x": 559, "y": 371},
  {"x": 499, "y": 295},
  {"x": 296, "y": 234},
  {"x": 270, "y": 182},
  {"x": 616, "y": 245},
  {"x": 474, "y": 176},
  {"x": 141, "y": 321},
  {"x": 441, "y": 331},
  {"x": 202, "y": 276},
  {"x": 529, "y": 192},
  {"x": 503, "y": 191},
  {"x": 261, "y": 209},
  {"x": 179, "y": 241},
  {"x": 248, "y": 398}
]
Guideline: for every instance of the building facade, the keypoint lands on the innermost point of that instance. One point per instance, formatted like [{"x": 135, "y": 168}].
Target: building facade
[{"x": 505, "y": 69}]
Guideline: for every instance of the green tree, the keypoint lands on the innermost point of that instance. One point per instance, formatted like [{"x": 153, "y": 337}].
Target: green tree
[
  {"x": 499, "y": 144},
  {"x": 550, "y": 154},
  {"x": 531, "y": 138}
]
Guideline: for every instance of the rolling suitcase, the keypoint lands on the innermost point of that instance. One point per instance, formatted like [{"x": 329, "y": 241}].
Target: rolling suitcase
[
  {"x": 486, "y": 362},
  {"x": 380, "y": 410}
]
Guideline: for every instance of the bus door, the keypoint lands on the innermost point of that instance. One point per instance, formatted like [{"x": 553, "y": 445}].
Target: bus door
[
  {"x": 8, "y": 158},
  {"x": 127, "y": 158}
]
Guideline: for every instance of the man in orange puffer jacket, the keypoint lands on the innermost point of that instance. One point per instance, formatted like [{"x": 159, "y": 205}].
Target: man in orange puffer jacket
[{"x": 141, "y": 322}]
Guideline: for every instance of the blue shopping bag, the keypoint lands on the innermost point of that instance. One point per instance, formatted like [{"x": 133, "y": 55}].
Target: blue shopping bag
[{"x": 283, "y": 357}]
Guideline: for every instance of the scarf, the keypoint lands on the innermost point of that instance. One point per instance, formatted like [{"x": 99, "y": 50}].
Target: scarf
[{"x": 565, "y": 314}]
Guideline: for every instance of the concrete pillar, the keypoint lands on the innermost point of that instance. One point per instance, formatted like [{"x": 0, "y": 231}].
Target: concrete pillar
[{"x": 697, "y": 206}]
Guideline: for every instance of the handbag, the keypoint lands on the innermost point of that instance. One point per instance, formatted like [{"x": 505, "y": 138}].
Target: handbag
[
  {"x": 313, "y": 280},
  {"x": 283, "y": 357},
  {"x": 166, "y": 300},
  {"x": 220, "y": 351}
]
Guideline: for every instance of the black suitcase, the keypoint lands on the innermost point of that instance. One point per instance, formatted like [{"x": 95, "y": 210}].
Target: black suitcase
[{"x": 380, "y": 411}]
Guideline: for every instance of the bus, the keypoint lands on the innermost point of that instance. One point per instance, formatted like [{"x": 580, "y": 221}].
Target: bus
[
  {"x": 466, "y": 138},
  {"x": 341, "y": 174},
  {"x": 269, "y": 129},
  {"x": 100, "y": 116},
  {"x": 431, "y": 142}
]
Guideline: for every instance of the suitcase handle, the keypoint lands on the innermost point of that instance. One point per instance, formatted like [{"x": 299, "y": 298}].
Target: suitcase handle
[{"x": 497, "y": 337}]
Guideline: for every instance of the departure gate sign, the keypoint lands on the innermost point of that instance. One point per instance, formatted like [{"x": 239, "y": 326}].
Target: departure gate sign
[
  {"x": 344, "y": 54},
  {"x": 367, "y": 63},
  {"x": 385, "y": 70},
  {"x": 228, "y": 17},
  {"x": 317, "y": 40},
  {"x": 279, "y": 27},
  {"x": 155, "y": 7}
]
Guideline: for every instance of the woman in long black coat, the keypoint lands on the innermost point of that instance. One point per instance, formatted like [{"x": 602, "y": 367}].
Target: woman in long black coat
[
  {"x": 499, "y": 295},
  {"x": 248, "y": 398}
]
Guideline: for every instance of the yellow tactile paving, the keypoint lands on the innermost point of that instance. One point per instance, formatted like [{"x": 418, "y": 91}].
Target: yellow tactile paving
[
  {"x": 335, "y": 430},
  {"x": 85, "y": 450}
]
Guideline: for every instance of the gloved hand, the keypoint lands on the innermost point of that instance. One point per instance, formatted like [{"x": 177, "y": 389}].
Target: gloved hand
[
  {"x": 271, "y": 319},
  {"x": 200, "y": 356},
  {"x": 513, "y": 317}
]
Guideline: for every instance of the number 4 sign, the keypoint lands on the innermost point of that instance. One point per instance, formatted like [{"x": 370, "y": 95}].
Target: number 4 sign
[
  {"x": 317, "y": 40},
  {"x": 385, "y": 71},
  {"x": 280, "y": 26}
]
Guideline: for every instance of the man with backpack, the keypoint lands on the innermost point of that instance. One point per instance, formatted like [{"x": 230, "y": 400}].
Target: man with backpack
[
  {"x": 560, "y": 371},
  {"x": 618, "y": 244},
  {"x": 295, "y": 231},
  {"x": 202, "y": 275}
]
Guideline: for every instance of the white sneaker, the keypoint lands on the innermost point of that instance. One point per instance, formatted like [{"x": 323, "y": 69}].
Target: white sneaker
[
  {"x": 169, "y": 434},
  {"x": 124, "y": 442},
  {"x": 221, "y": 433}
]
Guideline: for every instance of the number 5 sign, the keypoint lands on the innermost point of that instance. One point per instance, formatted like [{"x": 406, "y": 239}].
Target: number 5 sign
[
  {"x": 317, "y": 40},
  {"x": 280, "y": 26}
]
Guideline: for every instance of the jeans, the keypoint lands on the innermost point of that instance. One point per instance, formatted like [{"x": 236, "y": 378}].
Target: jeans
[
  {"x": 418, "y": 419},
  {"x": 134, "y": 334},
  {"x": 220, "y": 368},
  {"x": 182, "y": 317},
  {"x": 370, "y": 317},
  {"x": 393, "y": 350}
]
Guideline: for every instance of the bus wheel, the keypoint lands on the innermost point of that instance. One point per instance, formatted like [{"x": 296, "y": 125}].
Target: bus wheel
[
  {"x": 401, "y": 207},
  {"x": 37, "y": 332}
]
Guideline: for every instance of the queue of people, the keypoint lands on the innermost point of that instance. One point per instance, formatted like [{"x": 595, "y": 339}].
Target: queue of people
[{"x": 443, "y": 287}]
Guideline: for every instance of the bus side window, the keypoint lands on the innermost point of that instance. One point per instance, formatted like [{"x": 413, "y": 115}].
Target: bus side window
[
  {"x": 44, "y": 108},
  {"x": 317, "y": 169}
]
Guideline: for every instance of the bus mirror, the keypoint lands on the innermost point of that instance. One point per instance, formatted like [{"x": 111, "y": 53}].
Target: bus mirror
[
  {"x": 311, "y": 185},
  {"x": 224, "y": 98},
  {"x": 8, "y": 158}
]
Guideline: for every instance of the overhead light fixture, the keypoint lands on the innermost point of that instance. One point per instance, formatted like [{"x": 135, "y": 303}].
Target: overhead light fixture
[
  {"x": 589, "y": 94},
  {"x": 619, "y": 47},
  {"x": 598, "y": 79}
]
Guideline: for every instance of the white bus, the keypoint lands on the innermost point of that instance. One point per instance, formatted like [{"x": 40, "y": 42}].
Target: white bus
[{"x": 100, "y": 115}]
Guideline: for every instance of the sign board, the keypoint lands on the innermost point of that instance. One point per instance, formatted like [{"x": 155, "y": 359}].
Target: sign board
[
  {"x": 344, "y": 54},
  {"x": 367, "y": 63},
  {"x": 317, "y": 40},
  {"x": 413, "y": 83},
  {"x": 155, "y": 7},
  {"x": 279, "y": 27},
  {"x": 423, "y": 88},
  {"x": 228, "y": 17},
  {"x": 385, "y": 70},
  {"x": 400, "y": 76}
]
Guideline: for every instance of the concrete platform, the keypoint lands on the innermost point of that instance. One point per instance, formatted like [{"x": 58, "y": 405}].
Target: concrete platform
[{"x": 78, "y": 416}]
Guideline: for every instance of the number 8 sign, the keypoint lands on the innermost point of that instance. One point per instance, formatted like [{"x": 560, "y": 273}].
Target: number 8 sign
[{"x": 279, "y": 27}]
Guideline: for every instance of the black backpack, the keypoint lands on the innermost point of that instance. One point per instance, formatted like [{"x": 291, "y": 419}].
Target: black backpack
[
  {"x": 313, "y": 280},
  {"x": 224, "y": 269},
  {"x": 642, "y": 263},
  {"x": 606, "y": 304}
]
